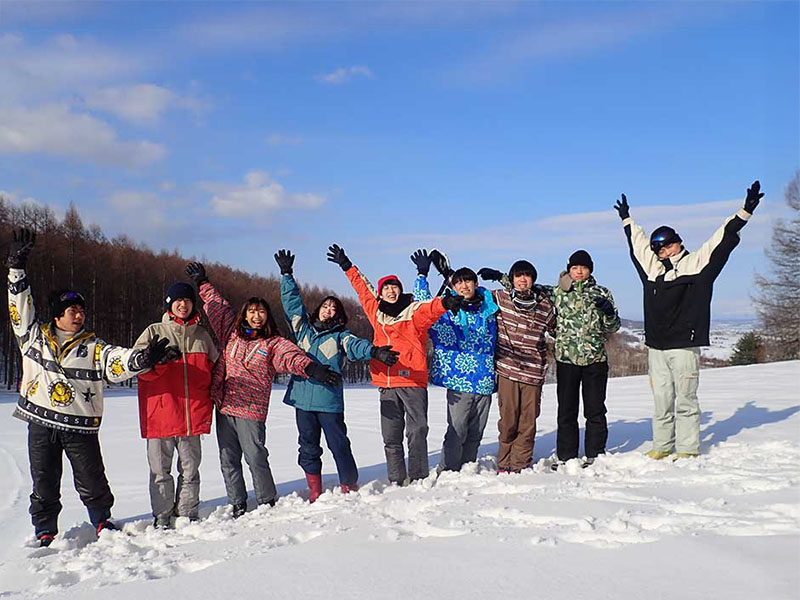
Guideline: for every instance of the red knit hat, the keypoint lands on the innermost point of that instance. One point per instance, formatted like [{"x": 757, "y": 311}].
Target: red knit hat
[{"x": 393, "y": 279}]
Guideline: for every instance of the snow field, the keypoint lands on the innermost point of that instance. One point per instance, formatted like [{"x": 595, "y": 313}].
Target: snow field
[{"x": 727, "y": 522}]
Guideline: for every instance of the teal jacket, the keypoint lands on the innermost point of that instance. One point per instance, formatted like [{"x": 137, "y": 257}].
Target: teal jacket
[{"x": 330, "y": 347}]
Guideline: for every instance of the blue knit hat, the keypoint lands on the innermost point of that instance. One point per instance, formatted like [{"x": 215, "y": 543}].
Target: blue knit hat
[{"x": 179, "y": 289}]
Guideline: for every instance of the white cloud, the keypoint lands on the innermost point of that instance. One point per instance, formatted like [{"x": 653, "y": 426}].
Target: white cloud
[
  {"x": 56, "y": 130},
  {"x": 345, "y": 74},
  {"x": 259, "y": 192},
  {"x": 138, "y": 103},
  {"x": 277, "y": 139}
]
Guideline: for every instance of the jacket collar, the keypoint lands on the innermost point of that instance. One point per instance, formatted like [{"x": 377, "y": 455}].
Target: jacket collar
[{"x": 168, "y": 317}]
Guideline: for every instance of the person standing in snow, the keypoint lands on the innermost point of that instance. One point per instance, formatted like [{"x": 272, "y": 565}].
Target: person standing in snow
[
  {"x": 320, "y": 407},
  {"x": 526, "y": 315},
  {"x": 399, "y": 321},
  {"x": 252, "y": 354},
  {"x": 586, "y": 317},
  {"x": 61, "y": 394},
  {"x": 175, "y": 406},
  {"x": 463, "y": 358},
  {"x": 677, "y": 289}
]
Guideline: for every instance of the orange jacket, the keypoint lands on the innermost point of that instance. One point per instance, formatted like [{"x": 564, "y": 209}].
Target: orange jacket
[{"x": 407, "y": 334}]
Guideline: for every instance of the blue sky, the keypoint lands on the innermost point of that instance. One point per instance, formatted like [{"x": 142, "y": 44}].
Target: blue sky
[{"x": 495, "y": 130}]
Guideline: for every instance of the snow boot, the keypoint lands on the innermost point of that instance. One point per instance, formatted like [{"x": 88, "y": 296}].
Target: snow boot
[
  {"x": 557, "y": 465},
  {"x": 346, "y": 489},
  {"x": 314, "y": 487},
  {"x": 587, "y": 463},
  {"x": 163, "y": 522},
  {"x": 657, "y": 454},
  {"x": 45, "y": 539},
  {"x": 239, "y": 509},
  {"x": 686, "y": 455},
  {"x": 105, "y": 524}
]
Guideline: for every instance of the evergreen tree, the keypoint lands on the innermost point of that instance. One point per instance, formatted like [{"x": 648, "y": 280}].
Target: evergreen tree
[{"x": 749, "y": 349}]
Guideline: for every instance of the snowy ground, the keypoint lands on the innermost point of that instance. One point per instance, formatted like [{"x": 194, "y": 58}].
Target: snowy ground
[{"x": 726, "y": 525}]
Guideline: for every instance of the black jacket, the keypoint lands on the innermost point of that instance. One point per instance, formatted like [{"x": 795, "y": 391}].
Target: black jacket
[{"x": 677, "y": 290}]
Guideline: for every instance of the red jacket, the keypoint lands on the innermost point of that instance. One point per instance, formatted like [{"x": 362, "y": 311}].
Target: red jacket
[
  {"x": 174, "y": 398},
  {"x": 242, "y": 381},
  {"x": 407, "y": 334}
]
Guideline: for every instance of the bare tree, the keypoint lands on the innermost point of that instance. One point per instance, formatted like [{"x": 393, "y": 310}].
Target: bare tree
[{"x": 778, "y": 297}]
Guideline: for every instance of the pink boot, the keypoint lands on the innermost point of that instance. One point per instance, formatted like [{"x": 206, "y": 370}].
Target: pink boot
[
  {"x": 314, "y": 487},
  {"x": 346, "y": 489}
]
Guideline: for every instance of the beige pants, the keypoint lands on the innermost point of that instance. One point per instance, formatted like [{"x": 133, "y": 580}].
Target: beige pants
[
  {"x": 674, "y": 376},
  {"x": 519, "y": 405}
]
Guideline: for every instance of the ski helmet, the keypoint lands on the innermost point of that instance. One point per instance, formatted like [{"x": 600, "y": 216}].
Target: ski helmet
[{"x": 663, "y": 236}]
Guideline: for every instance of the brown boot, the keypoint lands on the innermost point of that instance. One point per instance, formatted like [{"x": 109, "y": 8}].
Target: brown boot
[{"x": 314, "y": 487}]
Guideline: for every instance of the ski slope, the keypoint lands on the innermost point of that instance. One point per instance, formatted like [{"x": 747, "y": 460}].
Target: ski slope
[{"x": 725, "y": 525}]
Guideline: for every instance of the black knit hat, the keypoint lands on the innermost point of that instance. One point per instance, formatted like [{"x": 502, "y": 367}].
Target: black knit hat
[
  {"x": 580, "y": 258},
  {"x": 179, "y": 289},
  {"x": 522, "y": 267},
  {"x": 61, "y": 300}
]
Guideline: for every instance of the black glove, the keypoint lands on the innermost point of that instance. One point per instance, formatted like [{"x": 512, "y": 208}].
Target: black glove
[
  {"x": 337, "y": 255},
  {"x": 385, "y": 354},
  {"x": 441, "y": 262},
  {"x": 196, "y": 272},
  {"x": 622, "y": 208},
  {"x": 20, "y": 248},
  {"x": 172, "y": 353},
  {"x": 488, "y": 274},
  {"x": 422, "y": 259},
  {"x": 324, "y": 374},
  {"x": 754, "y": 196},
  {"x": 150, "y": 356},
  {"x": 285, "y": 260},
  {"x": 453, "y": 303},
  {"x": 604, "y": 305}
]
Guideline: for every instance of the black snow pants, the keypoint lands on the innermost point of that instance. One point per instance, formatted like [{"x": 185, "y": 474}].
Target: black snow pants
[
  {"x": 45, "y": 449},
  {"x": 593, "y": 379}
]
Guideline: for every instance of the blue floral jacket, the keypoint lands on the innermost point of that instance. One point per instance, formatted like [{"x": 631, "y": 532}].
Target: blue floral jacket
[{"x": 463, "y": 344}]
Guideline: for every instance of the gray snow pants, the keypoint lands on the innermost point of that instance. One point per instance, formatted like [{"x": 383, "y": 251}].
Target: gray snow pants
[
  {"x": 237, "y": 437},
  {"x": 674, "y": 376},
  {"x": 467, "y": 415},
  {"x": 164, "y": 498},
  {"x": 405, "y": 408}
]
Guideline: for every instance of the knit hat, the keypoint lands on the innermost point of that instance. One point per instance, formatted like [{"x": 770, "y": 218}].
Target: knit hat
[
  {"x": 580, "y": 258},
  {"x": 179, "y": 289},
  {"x": 61, "y": 300},
  {"x": 393, "y": 279},
  {"x": 522, "y": 267}
]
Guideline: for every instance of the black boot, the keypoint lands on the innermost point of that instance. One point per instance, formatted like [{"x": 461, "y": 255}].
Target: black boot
[{"x": 239, "y": 509}]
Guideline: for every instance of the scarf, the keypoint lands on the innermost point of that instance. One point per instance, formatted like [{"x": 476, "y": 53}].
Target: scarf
[
  {"x": 394, "y": 310},
  {"x": 525, "y": 300}
]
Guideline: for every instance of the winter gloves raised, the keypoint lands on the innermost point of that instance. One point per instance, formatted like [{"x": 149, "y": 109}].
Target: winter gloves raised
[
  {"x": 196, "y": 272},
  {"x": 488, "y": 274},
  {"x": 20, "y": 249},
  {"x": 385, "y": 354},
  {"x": 337, "y": 255},
  {"x": 422, "y": 260},
  {"x": 157, "y": 351},
  {"x": 324, "y": 374},
  {"x": 441, "y": 262},
  {"x": 285, "y": 260},
  {"x": 622, "y": 208},
  {"x": 754, "y": 196}
]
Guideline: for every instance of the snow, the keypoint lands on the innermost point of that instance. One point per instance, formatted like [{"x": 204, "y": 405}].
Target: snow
[
  {"x": 726, "y": 524},
  {"x": 723, "y": 337}
]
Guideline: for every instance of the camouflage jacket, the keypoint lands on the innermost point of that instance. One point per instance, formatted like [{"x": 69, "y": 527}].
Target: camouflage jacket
[{"x": 581, "y": 328}]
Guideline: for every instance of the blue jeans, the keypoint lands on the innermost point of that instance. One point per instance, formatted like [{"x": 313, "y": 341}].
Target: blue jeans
[{"x": 310, "y": 424}]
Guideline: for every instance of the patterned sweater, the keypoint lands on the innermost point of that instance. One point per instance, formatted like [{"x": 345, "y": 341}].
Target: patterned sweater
[
  {"x": 521, "y": 346},
  {"x": 242, "y": 379}
]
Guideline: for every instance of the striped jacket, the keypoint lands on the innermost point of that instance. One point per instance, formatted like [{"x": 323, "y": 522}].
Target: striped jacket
[
  {"x": 407, "y": 333},
  {"x": 521, "y": 346},
  {"x": 175, "y": 398},
  {"x": 62, "y": 387},
  {"x": 330, "y": 348},
  {"x": 242, "y": 379}
]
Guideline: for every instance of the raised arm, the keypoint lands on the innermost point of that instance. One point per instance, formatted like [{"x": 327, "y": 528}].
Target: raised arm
[
  {"x": 221, "y": 317},
  {"x": 644, "y": 259},
  {"x": 291, "y": 299},
  {"x": 361, "y": 285},
  {"x": 21, "y": 311}
]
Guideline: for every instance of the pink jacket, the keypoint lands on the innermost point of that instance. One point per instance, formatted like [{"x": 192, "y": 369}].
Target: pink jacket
[{"x": 242, "y": 379}]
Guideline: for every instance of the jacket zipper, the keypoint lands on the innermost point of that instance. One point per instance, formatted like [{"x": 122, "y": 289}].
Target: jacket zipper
[
  {"x": 388, "y": 368},
  {"x": 186, "y": 384}
]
